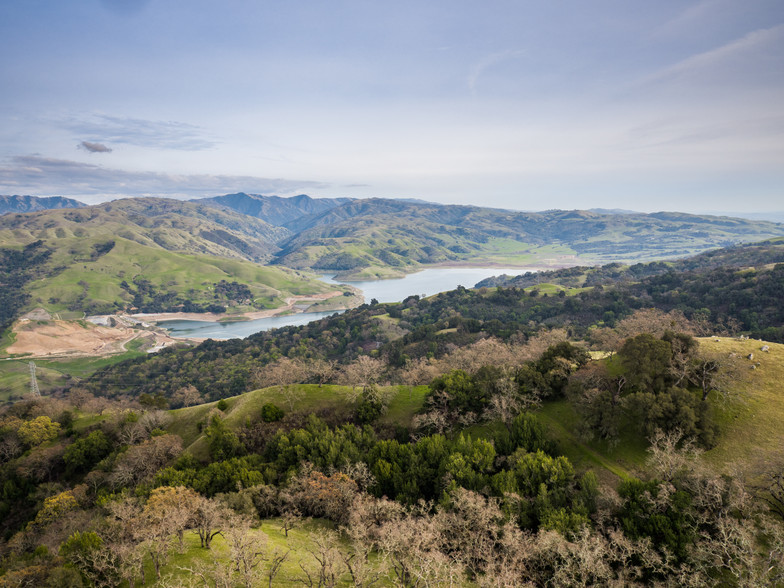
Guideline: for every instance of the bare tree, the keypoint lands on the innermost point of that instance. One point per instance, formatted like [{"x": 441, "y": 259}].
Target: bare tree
[
  {"x": 325, "y": 569},
  {"x": 365, "y": 371},
  {"x": 654, "y": 321},
  {"x": 290, "y": 518},
  {"x": 141, "y": 461},
  {"x": 714, "y": 371},
  {"x": 187, "y": 396},
  {"x": 209, "y": 518},
  {"x": 276, "y": 560},
  {"x": 320, "y": 370},
  {"x": 247, "y": 551}
]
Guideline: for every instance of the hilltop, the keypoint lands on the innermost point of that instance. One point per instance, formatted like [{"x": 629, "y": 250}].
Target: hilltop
[
  {"x": 10, "y": 204},
  {"x": 291, "y": 213}
]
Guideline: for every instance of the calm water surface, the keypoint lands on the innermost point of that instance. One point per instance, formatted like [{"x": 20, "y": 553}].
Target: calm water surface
[{"x": 427, "y": 282}]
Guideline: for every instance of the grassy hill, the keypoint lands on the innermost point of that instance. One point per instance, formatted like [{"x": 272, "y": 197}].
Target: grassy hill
[
  {"x": 375, "y": 233},
  {"x": 171, "y": 225},
  {"x": 749, "y": 416},
  {"x": 183, "y": 275},
  {"x": 180, "y": 250},
  {"x": 403, "y": 403}
]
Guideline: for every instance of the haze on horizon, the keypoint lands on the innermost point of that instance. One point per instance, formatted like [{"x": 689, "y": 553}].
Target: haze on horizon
[{"x": 675, "y": 105}]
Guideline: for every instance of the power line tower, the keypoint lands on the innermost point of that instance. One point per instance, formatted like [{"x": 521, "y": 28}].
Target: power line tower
[{"x": 34, "y": 391}]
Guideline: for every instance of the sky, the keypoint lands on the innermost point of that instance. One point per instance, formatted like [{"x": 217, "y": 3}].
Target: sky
[{"x": 521, "y": 104}]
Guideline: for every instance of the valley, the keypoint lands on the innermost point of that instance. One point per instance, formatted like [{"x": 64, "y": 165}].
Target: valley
[{"x": 557, "y": 405}]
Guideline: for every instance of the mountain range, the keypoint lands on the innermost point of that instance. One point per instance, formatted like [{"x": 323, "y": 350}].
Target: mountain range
[{"x": 100, "y": 254}]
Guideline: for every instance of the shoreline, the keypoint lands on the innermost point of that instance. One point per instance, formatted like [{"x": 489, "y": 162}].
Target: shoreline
[
  {"x": 467, "y": 264},
  {"x": 213, "y": 317}
]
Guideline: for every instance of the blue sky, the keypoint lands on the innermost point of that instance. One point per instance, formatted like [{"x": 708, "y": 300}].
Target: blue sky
[{"x": 665, "y": 105}]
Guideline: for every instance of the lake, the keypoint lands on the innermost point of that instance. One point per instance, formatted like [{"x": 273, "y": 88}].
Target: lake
[{"x": 426, "y": 282}]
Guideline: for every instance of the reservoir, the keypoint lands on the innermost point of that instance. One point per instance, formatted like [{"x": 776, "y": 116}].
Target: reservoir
[{"x": 424, "y": 283}]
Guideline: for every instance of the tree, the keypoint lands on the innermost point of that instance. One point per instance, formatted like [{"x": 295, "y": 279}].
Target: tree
[
  {"x": 320, "y": 370},
  {"x": 140, "y": 462},
  {"x": 186, "y": 396},
  {"x": 87, "y": 552},
  {"x": 37, "y": 431},
  {"x": 654, "y": 322},
  {"x": 366, "y": 371},
  {"x": 209, "y": 518},
  {"x": 646, "y": 362},
  {"x": 247, "y": 551},
  {"x": 317, "y": 494},
  {"x": 325, "y": 569},
  {"x": 713, "y": 371},
  {"x": 176, "y": 505},
  {"x": 271, "y": 412},
  {"x": 54, "y": 508},
  {"x": 166, "y": 513},
  {"x": 222, "y": 441},
  {"x": 84, "y": 453}
]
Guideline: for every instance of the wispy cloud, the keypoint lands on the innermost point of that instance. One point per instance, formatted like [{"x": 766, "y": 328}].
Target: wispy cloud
[
  {"x": 45, "y": 176},
  {"x": 94, "y": 147},
  {"x": 723, "y": 55},
  {"x": 488, "y": 62},
  {"x": 140, "y": 132}
]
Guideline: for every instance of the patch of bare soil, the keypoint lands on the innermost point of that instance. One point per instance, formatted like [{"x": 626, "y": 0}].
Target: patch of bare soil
[{"x": 58, "y": 338}]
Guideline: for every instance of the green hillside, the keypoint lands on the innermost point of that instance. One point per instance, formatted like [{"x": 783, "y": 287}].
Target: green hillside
[
  {"x": 360, "y": 236},
  {"x": 403, "y": 403},
  {"x": 152, "y": 255},
  {"x": 171, "y": 225},
  {"x": 174, "y": 275}
]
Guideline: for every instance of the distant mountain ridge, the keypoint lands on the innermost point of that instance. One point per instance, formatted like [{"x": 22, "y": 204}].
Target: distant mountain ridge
[
  {"x": 21, "y": 204},
  {"x": 399, "y": 234},
  {"x": 276, "y": 210}
]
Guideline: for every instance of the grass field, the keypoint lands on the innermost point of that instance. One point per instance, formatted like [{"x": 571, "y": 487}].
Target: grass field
[
  {"x": 299, "y": 544},
  {"x": 751, "y": 415}
]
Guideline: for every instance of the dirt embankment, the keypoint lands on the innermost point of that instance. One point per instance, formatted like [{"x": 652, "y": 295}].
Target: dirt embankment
[
  {"x": 38, "y": 334},
  {"x": 58, "y": 338}
]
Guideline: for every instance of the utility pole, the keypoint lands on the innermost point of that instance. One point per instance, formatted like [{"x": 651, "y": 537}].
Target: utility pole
[{"x": 34, "y": 391}]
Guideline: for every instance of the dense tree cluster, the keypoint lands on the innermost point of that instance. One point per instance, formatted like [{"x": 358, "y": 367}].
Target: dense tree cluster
[{"x": 17, "y": 268}]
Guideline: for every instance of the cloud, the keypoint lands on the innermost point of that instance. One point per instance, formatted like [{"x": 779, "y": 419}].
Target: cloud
[
  {"x": 491, "y": 60},
  {"x": 94, "y": 147},
  {"x": 734, "y": 55},
  {"x": 42, "y": 175},
  {"x": 155, "y": 134}
]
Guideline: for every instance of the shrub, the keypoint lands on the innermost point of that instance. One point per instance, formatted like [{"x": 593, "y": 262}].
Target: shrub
[{"x": 271, "y": 412}]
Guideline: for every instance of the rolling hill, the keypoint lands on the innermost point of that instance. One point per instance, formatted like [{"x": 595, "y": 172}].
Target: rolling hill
[
  {"x": 359, "y": 236},
  {"x": 151, "y": 253}
]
